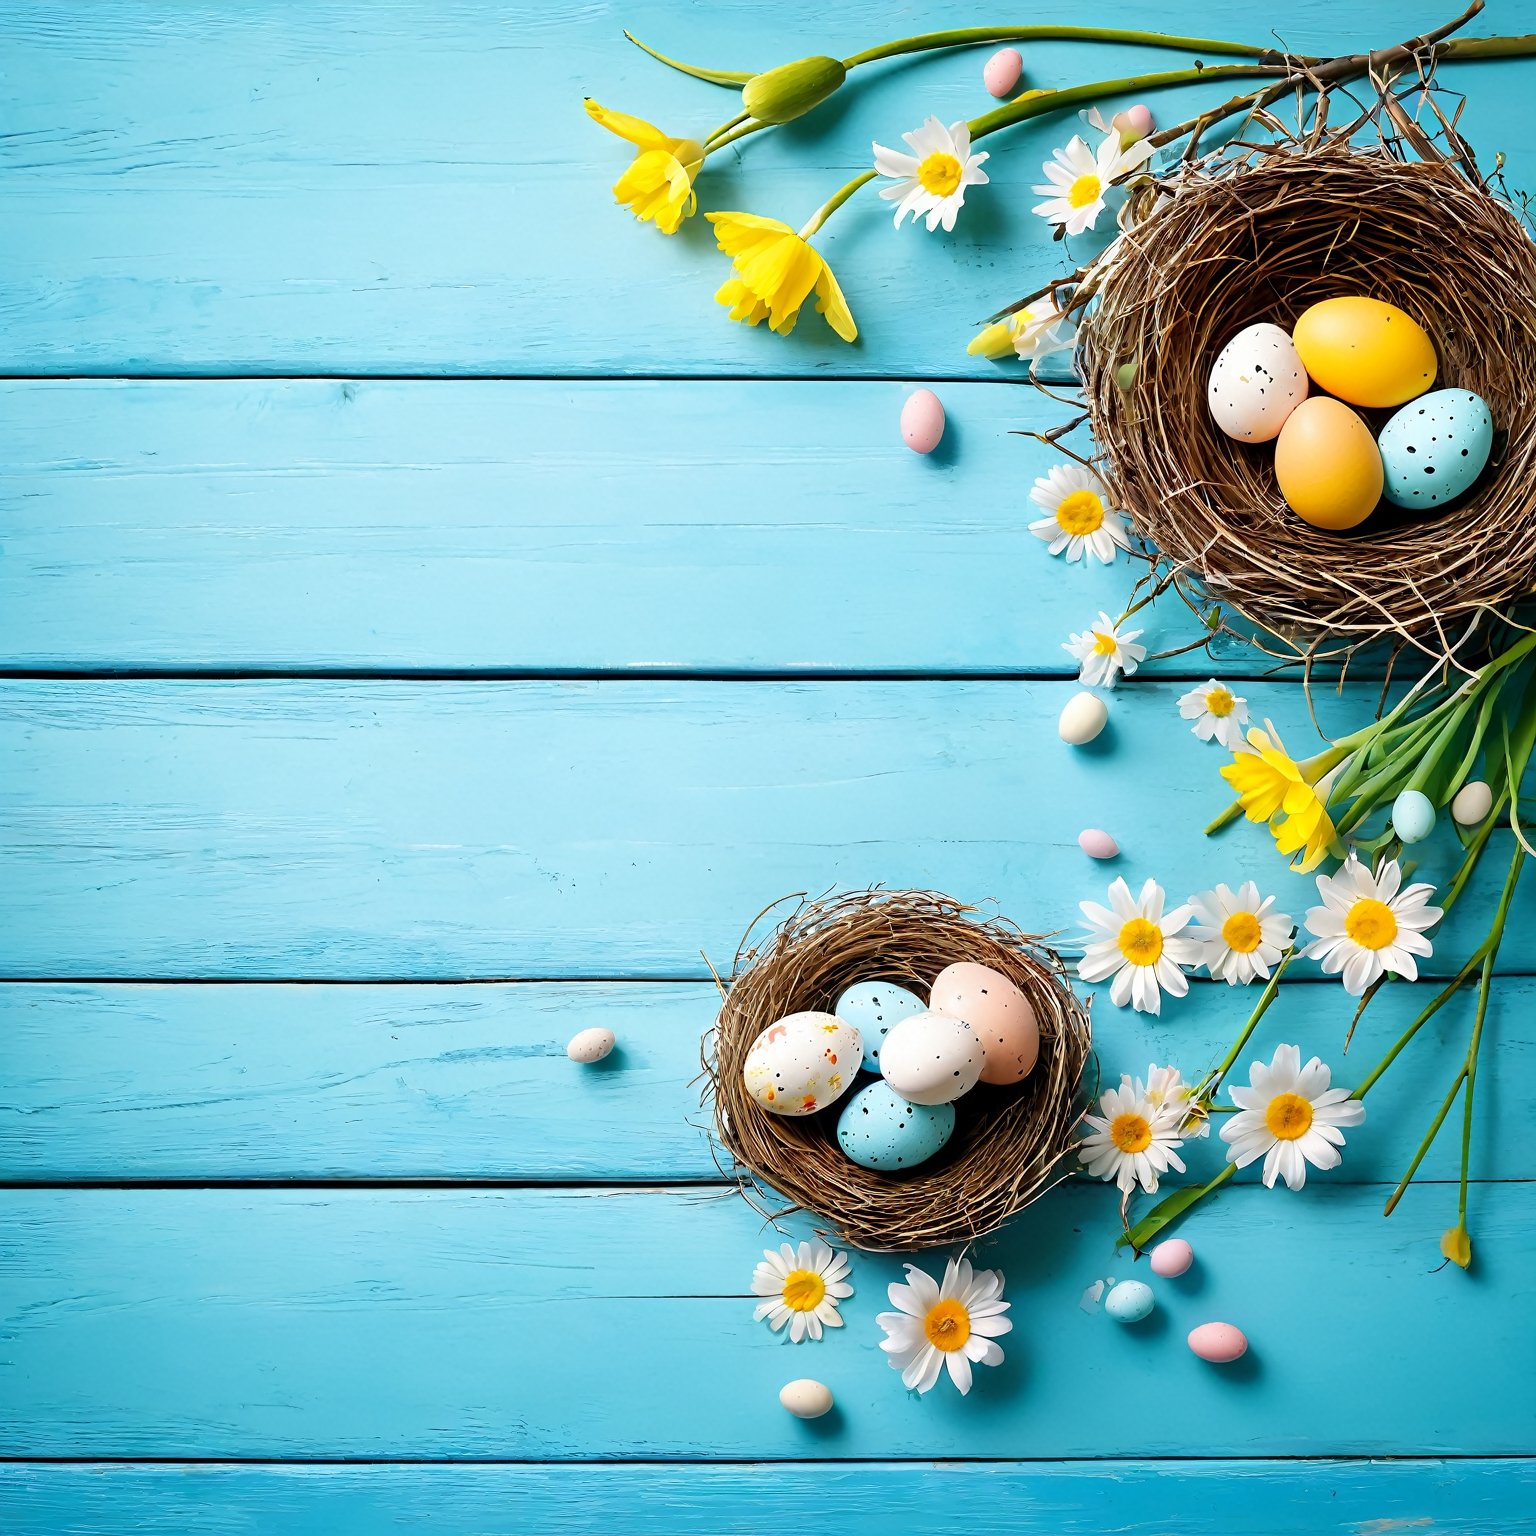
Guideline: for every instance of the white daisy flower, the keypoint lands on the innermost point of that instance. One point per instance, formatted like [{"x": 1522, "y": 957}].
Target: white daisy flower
[
  {"x": 952, "y": 1325},
  {"x": 1133, "y": 1141},
  {"x": 1077, "y": 180},
  {"x": 1217, "y": 712},
  {"x": 1173, "y": 1100},
  {"x": 1368, "y": 926},
  {"x": 1133, "y": 941},
  {"x": 1240, "y": 938},
  {"x": 1081, "y": 520},
  {"x": 1104, "y": 650},
  {"x": 932, "y": 180},
  {"x": 1290, "y": 1117},
  {"x": 803, "y": 1289}
]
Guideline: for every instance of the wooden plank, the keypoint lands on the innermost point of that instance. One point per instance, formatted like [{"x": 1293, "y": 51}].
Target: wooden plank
[
  {"x": 1474, "y": 1497},
  {"x": 601, "y": 1324},
  {"x": 188, "y": 1082},
  {"x": 345, "y": 187},
  {"x": 302, "y": 525},
  {"x": 382, "y": 831}
]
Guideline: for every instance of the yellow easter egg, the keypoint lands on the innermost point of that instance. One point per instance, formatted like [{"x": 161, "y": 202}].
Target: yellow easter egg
[
  {"x": 1364, "y": 351},
  {"x": 1328, "y": 464}
]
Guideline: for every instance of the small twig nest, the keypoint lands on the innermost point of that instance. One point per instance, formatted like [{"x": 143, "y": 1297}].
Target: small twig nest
[
  {"x": 1007, "y": 1141},
  {"x": 1260, "y": 232}
]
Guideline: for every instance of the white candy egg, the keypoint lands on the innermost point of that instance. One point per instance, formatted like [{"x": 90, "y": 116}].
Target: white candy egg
[
  {"x": 932, "y": 1058},
  {"x": 805, "y": 1398},
  {"x": 1082, "y": 718},
  {"x": 1257, "y": 381},
  {"x": 802, "y": 1063},
  {"x": 590, "y": 1045},
  {"x": 1472, "y": 804}
]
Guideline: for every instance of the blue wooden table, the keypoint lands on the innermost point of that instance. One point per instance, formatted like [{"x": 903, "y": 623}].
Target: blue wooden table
[{"x": 427, "y": 623}]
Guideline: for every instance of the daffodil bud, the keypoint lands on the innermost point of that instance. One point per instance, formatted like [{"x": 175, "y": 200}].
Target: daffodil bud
[
  {"x": 995, "y": 341},
  {"x": 790, "y": 91}
]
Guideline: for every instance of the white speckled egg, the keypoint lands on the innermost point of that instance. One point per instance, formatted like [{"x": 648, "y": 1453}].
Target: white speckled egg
[
  {"x": 1002, "y": 1018},
  {"x": 932, "y": 1058},
  {"x": 805, "y": 1398},
  {"x": 1413, "y": 816},
  {"x": 1130, "y": 1302},
  {"x": 1083, "y": 716},
  {"x": 922, "y": 421},
  {"x": 1002, "y": 71},
  {"x": 1472, "y": 804},
  {"x": 1435, "y": 447},
  {"x": 874, "y": 1008},
  {"x": 590, "y": 1045},
  {"x": 881, "y": 1130},
  {"x": 1256, "y": 382},
  {"x": 802, "y": 1063}
]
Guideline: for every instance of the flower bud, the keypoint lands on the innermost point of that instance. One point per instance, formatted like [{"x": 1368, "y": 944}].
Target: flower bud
[
  {"x": 790, "y": 91},
  {"x": 1133, "y": 125}
]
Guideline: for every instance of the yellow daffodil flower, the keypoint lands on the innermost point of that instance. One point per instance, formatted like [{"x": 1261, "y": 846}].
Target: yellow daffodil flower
[
  {"x": 658, "y": 186},
  {"x": 1271, "y": 786},
  {"x": 776, "y": 271}
]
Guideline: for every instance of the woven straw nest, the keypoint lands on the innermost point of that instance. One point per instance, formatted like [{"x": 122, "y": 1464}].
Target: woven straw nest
[
  {"x": 1007, "y": 1141},
  {"x": 1260, "y": 232}
]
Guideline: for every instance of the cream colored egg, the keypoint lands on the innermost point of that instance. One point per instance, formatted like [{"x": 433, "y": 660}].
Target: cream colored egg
[
  {"x": 1082, "y": 718},
  {"x": 1472, "y": 804},
  {"x": 999, "y": 1014},
  {"x": 932, "y": 1058},
  {"x": 802, "y": 1063},
  {"x": 805, "y": 1398},
  {"x": 590, "y": 1045},
  {"x": 1255, "y": 383}
]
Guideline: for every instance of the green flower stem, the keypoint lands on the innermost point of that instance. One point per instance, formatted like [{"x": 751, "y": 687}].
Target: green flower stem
[
  {"x": 731, "y": 77},
  {"x": 1212, "y": 1080},
  {"x": 1429, "y": 1140},
  {"x": 1226, "y": 818},
  {"x": 963, "y": 37},
  {"x": 720, "y": 133},
  {"x": 714, "y": 146},
  {"x": 835, "y": 202}
]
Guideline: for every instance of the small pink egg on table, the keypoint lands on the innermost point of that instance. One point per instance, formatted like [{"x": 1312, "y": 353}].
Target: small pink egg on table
[
  {"x": 922, "y": 421},
  {"x": 1097, "y": 844},
  {"x": 1002, "y": 71},
  {"x": 1220, "y": 1343},
  {"x": 1172, "y": 1258}
]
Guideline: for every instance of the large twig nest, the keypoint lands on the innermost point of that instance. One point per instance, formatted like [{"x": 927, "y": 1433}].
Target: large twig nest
[
  {"x": 1007, "y": 1141},
  {"x": 1259, "y": 235}
]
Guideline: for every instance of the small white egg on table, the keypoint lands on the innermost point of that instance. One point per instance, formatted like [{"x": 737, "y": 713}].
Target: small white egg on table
[
  {"x": 1083, "y": 716},
  {"x": 806, "y": 1398},
  {"x": 590, "y": 1045}
]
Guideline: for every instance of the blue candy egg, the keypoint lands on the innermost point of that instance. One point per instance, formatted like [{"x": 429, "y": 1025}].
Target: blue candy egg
[
  {"x": 879, "y": 1129},
  {"x": 1130, "y": 1301},
  {"x": 1435, "y": 447},
  {"x": 872, "y": 1007},
  {"x": 1413, "y": 816}
]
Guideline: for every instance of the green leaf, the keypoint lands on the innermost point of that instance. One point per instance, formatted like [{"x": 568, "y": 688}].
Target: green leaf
[
  {"x": 1168, "y": 1211},
  {"x": 714, "y": 76}
]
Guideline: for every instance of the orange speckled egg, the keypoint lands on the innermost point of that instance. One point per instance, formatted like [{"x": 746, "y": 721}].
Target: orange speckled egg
[
  {"x": 1365, "y": 351},
  {"x": 1328, "y": 464},
  {"x": 1002, "y": 1018}
]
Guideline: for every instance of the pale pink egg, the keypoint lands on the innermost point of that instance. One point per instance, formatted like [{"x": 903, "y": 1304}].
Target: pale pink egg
[
  {"x": 1139, "y": 120},
  {"x": 1220, "y": 1343},
  {"x": 1097, "y": 844},
  {"x": 1002, "y": 71},
  {"x": 1001, "y": 1017},
  {"x": 1172, "y": 1258},
  {"x": 922, "y": 421}
]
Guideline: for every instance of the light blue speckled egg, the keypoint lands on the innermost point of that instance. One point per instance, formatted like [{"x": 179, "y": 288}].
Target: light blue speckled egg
[
  {"x": 1130, "y": 1301},
  {"x": 872, "y": 1007},
  {"x": 1435, "y": 447},
  {"x": 1413, "y": 816},
  {"x": 878, "y": 1129}
]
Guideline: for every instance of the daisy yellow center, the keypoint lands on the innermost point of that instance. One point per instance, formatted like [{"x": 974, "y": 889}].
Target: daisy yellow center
[
  {"x": 1080, "y": 512},
  {"x": 1084, "y": 190},
  {"x": 1141, "y": 942},
  {"x": 803, "y": 1290},
  {"x": 1370, "y": 923},
  {"x": 1104, "y": 645},
  {"x": 1288, "y": 1117},
  {"x": 1241, "y": 932},
  {"x": 1130, "y": 1132},
  {"x": 938, "y": 173},
  {"x": 948, "y": 1325},
  {"x": 1219, "y": 702}
]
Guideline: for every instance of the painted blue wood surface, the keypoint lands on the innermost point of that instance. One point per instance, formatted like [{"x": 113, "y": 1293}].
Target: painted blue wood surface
[
  {"x": 346, "y": 187},
  {"x": 112, "y": 1082},
  {"x": 383, "y": 830},
  {"x": 616, "y": 1323},
  {"x": 1213, "y": 1498}
]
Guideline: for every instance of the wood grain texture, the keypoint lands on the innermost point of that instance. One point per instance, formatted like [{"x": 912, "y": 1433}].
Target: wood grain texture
[
  {"x": 371, "y": 831},
  {"x": 355, "y": 188},
  {"x": 616, "y": 1324},
  {"x": 483, "y": 526},
  {"x": 190, "y": 1082},
  {"x": 1473, "y": 1497}
]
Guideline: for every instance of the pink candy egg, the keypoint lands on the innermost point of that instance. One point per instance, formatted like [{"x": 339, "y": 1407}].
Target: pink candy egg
[
  {"x": 1172, "y": 1258},
  {"x": 1002, "y": 1018},
  {"x": 1097, "y": 844},
  {"x": 1220, "y": 1343},
  {"x": 922, "y": 421},
  {"x": 1002, "y": 71}
]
